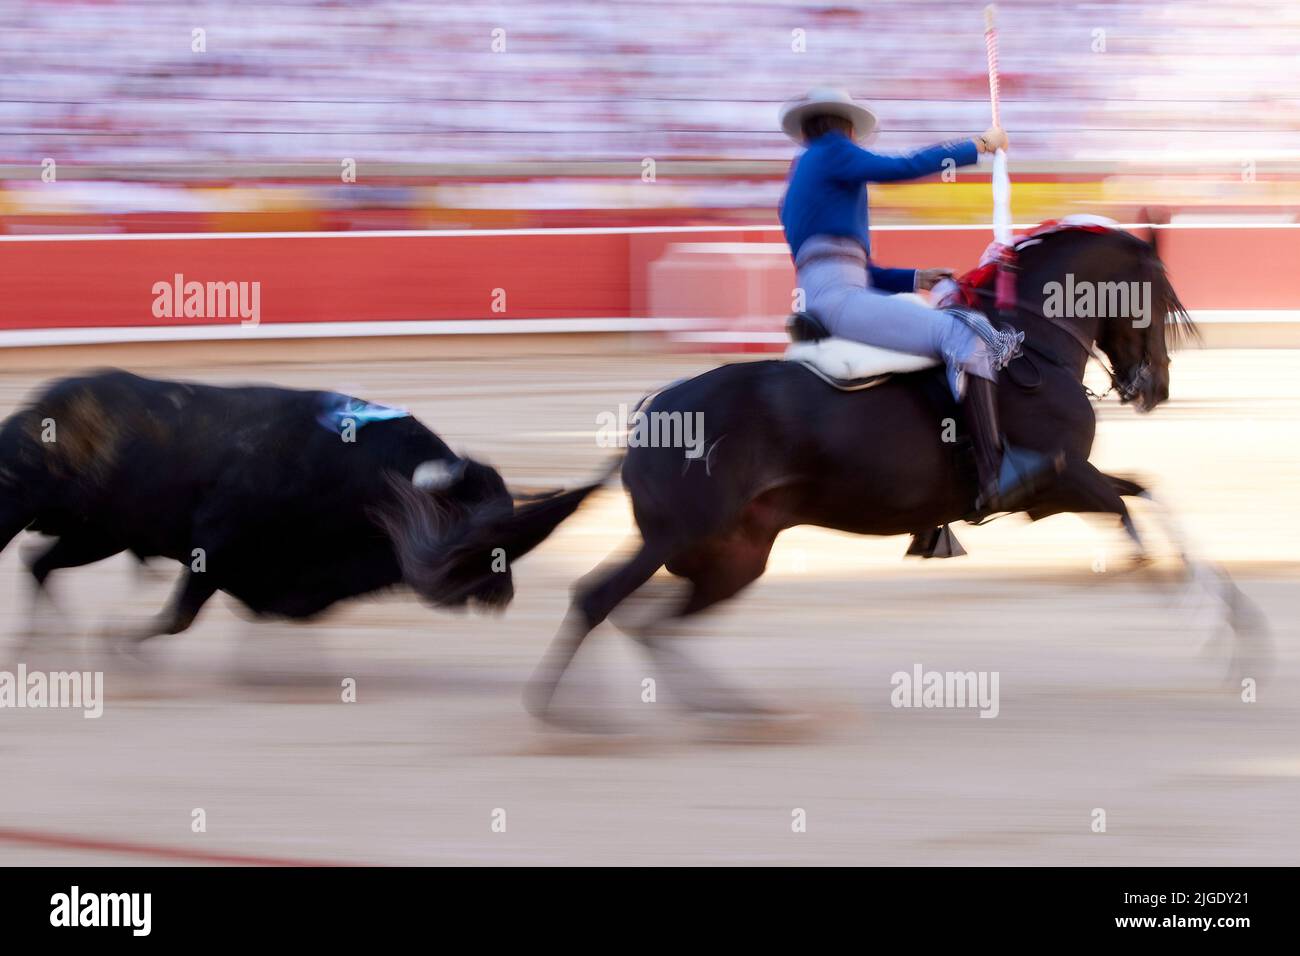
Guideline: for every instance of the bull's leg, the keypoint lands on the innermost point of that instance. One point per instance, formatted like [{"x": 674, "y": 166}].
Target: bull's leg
[
  {"x": 194, "y": 588},
  {"x": 591, "y": 605},
  {"x": 192, "y": 592},
  {"x": 69, "y": 551},
  {"x": 14, "y": 517}
]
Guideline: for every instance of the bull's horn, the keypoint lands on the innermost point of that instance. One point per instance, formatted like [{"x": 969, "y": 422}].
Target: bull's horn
[{"x": 438, "y": 474}]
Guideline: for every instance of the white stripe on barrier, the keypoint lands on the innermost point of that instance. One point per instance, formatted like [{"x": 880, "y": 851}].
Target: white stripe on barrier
[
  {"x": 590, "y": 231},
  {"x": 684, "y": 329},
  {"x": 14, "y": 338},
  {"x": 1201, "y": 317},
  {"x": 1244, "y": 316}
]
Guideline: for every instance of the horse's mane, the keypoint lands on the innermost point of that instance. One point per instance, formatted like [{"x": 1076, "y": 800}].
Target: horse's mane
[{"x": 1179, "y": 327}]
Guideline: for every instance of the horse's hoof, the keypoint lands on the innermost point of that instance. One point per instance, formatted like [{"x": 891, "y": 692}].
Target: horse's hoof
[
  {"x": 760, "y": 726},
  {"x": 1140, "y": 560},
  {"x": 573, "y": 722},
  {"x": 753, "y": 714},
  {"x": 540, "y": 704},
  {"x": 537, "y": 698},
  {"x": 726, "y": 704}
]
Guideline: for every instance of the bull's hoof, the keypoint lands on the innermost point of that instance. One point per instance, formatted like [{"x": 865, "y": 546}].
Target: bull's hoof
[{"x": 127, "y": 644}]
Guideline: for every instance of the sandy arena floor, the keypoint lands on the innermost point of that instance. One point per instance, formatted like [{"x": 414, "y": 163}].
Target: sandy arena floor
[{"x": 1108, "y": 698}]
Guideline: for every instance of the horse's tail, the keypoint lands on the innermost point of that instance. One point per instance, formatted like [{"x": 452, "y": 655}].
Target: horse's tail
[{"x": 446, "y": 554}]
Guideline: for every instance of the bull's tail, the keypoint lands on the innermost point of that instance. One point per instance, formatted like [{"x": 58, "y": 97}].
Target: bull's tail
[
  {"x": 22, "y": 473},
  {"x": 14, "y": 516},
  {"x": 62, "y": 446},
  {"x": 446, "y": 552}
]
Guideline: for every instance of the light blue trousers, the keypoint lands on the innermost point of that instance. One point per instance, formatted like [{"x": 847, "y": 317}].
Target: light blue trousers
[{"x": 832, "y": 271}]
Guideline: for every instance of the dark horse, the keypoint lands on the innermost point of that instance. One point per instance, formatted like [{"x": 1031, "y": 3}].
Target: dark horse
[{"x": 785, "y": 449}]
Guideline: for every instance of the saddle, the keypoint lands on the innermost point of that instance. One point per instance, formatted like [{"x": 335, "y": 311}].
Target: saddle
[
  {"x": 851, "y": 366},
  {"x": 843, "y": 364}
]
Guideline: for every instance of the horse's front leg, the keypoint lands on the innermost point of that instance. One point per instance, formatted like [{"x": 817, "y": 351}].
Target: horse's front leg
[
  {"x": 1241, "y": 624},
  {"x": 1082, "y": 489}
]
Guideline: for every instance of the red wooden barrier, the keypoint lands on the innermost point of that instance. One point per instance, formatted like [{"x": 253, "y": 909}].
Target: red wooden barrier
[{"x": 52, "y": 283}]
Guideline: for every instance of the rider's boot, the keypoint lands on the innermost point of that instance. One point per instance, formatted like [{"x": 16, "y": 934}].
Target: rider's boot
[{"x": 1009, "y": 476}]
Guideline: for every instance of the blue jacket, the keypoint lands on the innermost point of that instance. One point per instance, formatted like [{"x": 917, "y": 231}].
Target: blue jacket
[{"x": 826, "y": 193}]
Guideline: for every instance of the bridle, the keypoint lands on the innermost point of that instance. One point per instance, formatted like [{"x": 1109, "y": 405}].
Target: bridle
[{"x": 1127, "y": 391}]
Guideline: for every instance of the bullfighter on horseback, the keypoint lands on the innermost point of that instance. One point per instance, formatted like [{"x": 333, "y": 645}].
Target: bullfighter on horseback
[{"x": 824, "y": 212}]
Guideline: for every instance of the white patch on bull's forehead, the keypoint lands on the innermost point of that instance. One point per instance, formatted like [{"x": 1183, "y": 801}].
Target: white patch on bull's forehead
[{"x": 437, "y": 475}]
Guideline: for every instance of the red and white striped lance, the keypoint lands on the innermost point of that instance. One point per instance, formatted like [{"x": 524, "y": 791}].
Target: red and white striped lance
[
  {"x": 1001, "y": 177},
  {"x": 991, "y": 48}
]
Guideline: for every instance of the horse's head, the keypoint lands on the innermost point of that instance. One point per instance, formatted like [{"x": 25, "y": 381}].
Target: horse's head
[
  {"x": 1139, "y": 357},
  {"x": 1112, "y": 287},
  {"x": 1137, "y": 339}
]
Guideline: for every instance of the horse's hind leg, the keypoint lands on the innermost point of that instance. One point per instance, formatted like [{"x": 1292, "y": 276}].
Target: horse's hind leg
[
  {"x": 591, "y": 604},
  {"x": 718, "y": 570}
]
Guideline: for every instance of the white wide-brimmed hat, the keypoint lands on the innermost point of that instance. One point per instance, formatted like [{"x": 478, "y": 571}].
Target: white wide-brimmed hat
[{"x": 826, "y": 100}]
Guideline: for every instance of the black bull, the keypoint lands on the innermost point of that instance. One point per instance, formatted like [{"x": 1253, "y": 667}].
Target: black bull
[{"x": 256, "y": 496}]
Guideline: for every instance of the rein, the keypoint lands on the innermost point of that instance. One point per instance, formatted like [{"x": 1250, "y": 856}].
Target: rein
[
  {"x": 1090, "y": 349},
  {"x": 997, "y": 279}
]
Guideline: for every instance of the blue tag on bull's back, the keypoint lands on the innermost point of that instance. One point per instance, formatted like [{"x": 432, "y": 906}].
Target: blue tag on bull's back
[{"x": 339, "y": 411}]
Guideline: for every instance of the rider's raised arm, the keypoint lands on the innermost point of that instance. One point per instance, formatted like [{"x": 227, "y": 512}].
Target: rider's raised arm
[{"x": 854, "y": 164}]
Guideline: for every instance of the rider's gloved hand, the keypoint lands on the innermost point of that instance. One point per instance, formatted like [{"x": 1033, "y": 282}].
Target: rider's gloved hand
[{"x": 992, "y": 139}]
